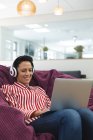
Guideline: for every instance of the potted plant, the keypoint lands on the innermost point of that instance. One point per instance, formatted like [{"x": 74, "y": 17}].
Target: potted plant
[
  {"x": 45, "y": 49},
  {"x": 79, "y": 50}
]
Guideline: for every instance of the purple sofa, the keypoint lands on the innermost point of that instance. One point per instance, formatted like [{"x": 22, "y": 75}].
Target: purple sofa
[{"x": 12, "y": 126}]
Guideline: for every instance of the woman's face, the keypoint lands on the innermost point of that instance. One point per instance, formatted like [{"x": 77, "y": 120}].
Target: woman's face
[{"x": 25, "y": 72}]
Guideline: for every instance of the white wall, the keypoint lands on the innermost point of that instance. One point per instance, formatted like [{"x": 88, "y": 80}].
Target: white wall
[{"x": 85, "y": 65}]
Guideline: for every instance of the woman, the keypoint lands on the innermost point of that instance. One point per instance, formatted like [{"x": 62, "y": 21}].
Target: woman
[{"x": 35, "y": 104}]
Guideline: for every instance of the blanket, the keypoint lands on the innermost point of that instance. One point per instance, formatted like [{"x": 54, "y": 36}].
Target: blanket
[{"x": 12, "y": 126}]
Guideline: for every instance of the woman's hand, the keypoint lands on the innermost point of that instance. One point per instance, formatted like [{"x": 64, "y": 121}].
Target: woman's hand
[{"x": 39, "y": 112}]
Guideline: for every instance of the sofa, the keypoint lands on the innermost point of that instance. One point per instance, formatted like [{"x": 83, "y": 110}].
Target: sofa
[
  {"x": 75, "y": 73},
  {"x": 12, "y": 126}
]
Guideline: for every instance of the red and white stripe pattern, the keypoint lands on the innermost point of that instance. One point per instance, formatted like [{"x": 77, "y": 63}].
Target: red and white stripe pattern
[{"x": 26, "y": 99}]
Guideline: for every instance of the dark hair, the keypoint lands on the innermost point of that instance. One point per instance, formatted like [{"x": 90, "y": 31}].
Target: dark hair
[{"x": 22, "y": 58}]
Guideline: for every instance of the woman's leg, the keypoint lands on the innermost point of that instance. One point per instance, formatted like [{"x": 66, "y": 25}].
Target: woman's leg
[
  {"x": 87, "y": 123},
  {"x": 64, "y": 124}
]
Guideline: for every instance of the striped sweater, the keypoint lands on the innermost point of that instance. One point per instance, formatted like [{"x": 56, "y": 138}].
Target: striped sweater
[{"x": 26, "y": 99}]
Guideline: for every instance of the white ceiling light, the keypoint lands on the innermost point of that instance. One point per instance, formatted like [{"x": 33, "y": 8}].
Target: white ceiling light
[
  {"x": 58, "y": 10},
  {"x": 33, "y": 26},
  {"x": 42, "y": 30}
]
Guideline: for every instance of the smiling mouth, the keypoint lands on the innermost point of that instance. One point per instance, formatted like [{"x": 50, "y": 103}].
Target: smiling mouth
[{"x": 27, "y": 78}]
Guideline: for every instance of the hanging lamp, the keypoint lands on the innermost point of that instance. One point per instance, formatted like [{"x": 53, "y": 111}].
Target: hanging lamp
[
  {"x": 58, "y": 10},
  {"x": 26, "y": 8}
]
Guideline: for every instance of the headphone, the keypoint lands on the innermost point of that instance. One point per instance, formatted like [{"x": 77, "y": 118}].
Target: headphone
[
  {"x": 13, "y": 71},
  {"x": 13, "y": 68}
]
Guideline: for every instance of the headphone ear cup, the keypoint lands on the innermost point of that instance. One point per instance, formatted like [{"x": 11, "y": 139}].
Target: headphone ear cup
[{"x": 13, "y": 71}]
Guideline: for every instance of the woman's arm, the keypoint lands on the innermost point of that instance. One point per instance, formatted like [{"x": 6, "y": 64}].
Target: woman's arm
[{"x": 39, "y": 112}]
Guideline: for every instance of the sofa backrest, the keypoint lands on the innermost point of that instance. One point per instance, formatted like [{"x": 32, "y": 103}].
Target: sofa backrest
[{"x": 75, "y": 73}]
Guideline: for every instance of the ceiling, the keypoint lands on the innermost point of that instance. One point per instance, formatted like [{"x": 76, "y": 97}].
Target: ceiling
[
  {"x": 46, "y": 8},
  {"x": 76, "y": 21}
]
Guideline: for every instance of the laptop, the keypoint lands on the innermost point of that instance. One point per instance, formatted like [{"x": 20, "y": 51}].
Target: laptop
[{"x": 71, "y": 93}]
